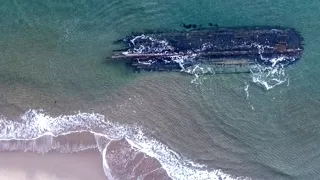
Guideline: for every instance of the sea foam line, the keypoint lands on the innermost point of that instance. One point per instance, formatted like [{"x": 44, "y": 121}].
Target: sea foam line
[{"x": 35, "y": 124}]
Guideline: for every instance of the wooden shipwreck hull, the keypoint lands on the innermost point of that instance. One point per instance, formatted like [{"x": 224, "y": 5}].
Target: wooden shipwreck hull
[{"x": 219, "y": 47}]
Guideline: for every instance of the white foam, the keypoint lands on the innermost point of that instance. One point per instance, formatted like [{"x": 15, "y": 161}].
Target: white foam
[
  {"x": 149, "y": 62},
  {"x": 268, "y": 77},
  {"x": 206, "y": 46},
  {"x": 105, "y": 165},
  {"x": 35, "y": 123},
  {"x": 43, "y": 145},
  {"x": 176, "y": 166},
  {"x": 246, "y": 89},
  {"x": 271, "y": 76},
  {"x": 156, "y": 45},
  {"x": 198, "y": 71}
]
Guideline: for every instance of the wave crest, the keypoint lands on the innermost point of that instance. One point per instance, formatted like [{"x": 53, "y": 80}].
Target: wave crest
[{"x": 36, "y": 126}]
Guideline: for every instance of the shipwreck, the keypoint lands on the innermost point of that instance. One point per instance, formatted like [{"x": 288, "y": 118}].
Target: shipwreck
[{"x": 222, "y": 48}]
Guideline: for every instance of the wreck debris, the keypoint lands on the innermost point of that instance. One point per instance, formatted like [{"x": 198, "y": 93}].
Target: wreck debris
[{"x": 220, "y": 47}]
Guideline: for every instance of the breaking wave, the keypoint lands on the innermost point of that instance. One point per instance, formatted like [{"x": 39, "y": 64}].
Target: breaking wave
[{"x": 120, "y": 145}]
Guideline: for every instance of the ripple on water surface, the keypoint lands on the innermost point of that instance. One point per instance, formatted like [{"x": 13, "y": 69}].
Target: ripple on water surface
[{"x": 126, "y": 152}]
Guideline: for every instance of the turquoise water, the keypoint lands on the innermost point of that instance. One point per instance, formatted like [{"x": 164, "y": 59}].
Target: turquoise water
[{"x": 54, "y": 57}]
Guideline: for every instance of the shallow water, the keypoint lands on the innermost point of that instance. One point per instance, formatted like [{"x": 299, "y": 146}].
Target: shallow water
[{"x": 54, "y": 57}]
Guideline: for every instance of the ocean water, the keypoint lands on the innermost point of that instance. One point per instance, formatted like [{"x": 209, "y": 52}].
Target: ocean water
[{"x": 59, "y": 91}]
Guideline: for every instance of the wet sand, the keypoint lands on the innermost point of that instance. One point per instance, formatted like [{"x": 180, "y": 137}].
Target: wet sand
[
  {"x": 55, "y": 159},
  {"x": 127, "y": 163},
  {"x": 51, "y": 166}
]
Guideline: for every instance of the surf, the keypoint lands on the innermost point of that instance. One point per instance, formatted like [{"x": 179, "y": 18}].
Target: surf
[{"x": 39, "y": 132}]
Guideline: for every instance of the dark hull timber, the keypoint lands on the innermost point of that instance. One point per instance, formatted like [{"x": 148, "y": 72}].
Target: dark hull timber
[{"x": 218, "y": 47}]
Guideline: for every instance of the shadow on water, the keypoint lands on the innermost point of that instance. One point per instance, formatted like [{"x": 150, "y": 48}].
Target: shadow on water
[{"x": 119, "y": 64}]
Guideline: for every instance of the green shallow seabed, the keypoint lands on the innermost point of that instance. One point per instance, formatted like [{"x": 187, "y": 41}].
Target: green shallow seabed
[{"x": 54, "y": 57}]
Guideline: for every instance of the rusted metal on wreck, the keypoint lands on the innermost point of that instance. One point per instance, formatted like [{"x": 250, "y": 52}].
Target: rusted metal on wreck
[{"x": 220, "y": 47}]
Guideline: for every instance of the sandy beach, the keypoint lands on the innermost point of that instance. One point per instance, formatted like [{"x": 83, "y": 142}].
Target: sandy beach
[
  {"x": 62, "y": 93},
  {"x": 52, "y": 166}
]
